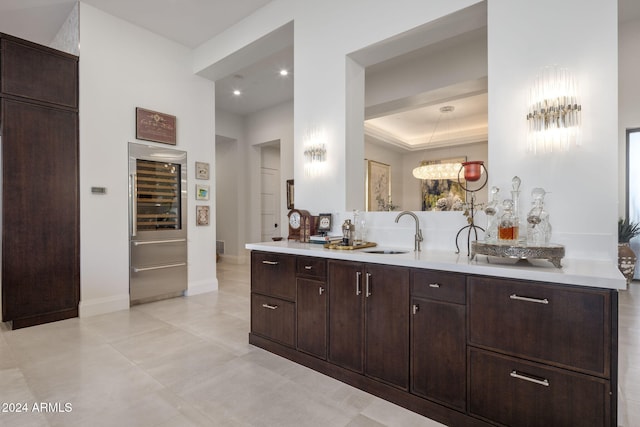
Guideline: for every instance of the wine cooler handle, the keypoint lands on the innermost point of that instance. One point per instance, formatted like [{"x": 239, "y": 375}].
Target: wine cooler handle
[{"x": 134, "y": 204}]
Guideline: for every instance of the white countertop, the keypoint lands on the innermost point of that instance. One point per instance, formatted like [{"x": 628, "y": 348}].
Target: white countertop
[{"x": 599, "y": 274}]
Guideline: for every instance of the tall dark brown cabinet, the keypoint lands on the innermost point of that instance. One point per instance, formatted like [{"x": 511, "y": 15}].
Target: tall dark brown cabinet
[{"x": 40, "y": 183}]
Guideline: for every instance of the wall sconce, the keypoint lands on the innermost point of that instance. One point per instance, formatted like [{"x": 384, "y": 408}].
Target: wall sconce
[
  {"x": 315, "y": 153},
  {"x": 554, "y": 111}
]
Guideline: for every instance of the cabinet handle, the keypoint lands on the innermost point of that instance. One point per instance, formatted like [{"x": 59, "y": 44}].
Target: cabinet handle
[
  {"x": 270, "y": 307},
  {"x": 527, "y": 299},
  {"x": 368, "y": 283},
  {"x": 434, "y": 285},
  {"x": 415, "y": 308},
  {"x": 308, "y": 267},
  {"x": 270, "y": 262},
  {"x": 320, "y": 290},
  {"x": 358, "y": 289},
  {"x": 516, "y": 374}
]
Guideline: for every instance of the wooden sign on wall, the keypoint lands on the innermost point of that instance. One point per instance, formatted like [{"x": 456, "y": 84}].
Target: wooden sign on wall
[{"x": 154, "y": 126}]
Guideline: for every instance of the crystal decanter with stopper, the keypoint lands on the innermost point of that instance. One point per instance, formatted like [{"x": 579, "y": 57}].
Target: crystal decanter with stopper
[
  {"x": 515, "y": 197},
  {"x": 491, "y": 235},
  {"x": 538, "y": 226},
  {"x": 508, "y": 225}
]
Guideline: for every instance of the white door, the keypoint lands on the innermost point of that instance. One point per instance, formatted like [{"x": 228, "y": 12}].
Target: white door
[{"x": 270, "y": 193}]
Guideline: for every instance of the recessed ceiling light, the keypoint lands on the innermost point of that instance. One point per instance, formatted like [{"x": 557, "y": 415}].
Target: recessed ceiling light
[
  {"x": 237, "y": 92},
  {"x": 284, "y": 72}
]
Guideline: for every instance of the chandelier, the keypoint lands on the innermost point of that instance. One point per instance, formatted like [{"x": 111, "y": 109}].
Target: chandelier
[{"x": 436, "y": 170}]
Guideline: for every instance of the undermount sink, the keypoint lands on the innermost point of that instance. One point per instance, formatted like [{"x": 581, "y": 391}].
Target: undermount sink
[{"x": 386, "y": 251}]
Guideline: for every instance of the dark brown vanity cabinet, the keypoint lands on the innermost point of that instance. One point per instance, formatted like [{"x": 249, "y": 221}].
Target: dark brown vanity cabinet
[
  {"x": 438, "y": 337},
  {"x": 541, "y": 354},
  {"x": 40, "y": 183},
  {"x": 462, "y": 349},
  {"x": 369, "y": 320},
  {"x": 311, "y": 306},
  {"x": 273, "y": 293}
]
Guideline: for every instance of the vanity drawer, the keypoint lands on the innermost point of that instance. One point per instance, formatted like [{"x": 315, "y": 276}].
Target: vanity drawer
[
  {"x": 438, "y": 285},
  {"x": 568, "y": 326},
  {"x": 513, "y": 392},
  {"x": 274, "y": 274},
  {"x": 273, "y": 318},
  {"x": 312, "y": 267}
]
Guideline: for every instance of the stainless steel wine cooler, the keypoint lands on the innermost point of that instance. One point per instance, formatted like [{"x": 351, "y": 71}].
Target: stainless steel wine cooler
[{"x": 157, "y": 222}]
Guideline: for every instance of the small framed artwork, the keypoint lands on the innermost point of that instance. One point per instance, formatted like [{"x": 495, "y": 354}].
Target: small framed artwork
[
  {"x": 202, "y": 170},
  {"x": 378, "y": 186},
  {"x": 202, "y": 215},
  {"x": 289, "y": 194},
  {"x": 155, "y": 126},
  {"x": 202, "y": 192}
]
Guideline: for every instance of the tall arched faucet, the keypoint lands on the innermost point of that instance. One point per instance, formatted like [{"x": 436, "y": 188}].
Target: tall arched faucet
[{"x": 418, "y": 237}]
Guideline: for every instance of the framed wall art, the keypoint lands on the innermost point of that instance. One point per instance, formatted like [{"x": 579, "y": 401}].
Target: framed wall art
[
  {"x": 378, "y": 186},
  {"x": 202, "y": 170},
  {"x": 202, "y": 215},
  {"x": 202, "y": 192},
  {"x": 443, "y": 194},
  {"x": 155, "y": 126}
]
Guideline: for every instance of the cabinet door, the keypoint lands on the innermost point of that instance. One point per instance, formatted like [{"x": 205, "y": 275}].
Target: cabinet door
[
  {"x": 38, "y": 73},
  {"x": 387, "y": 324},
  {"x": 274, "y": 274},
  {"x": 346, "y": 320},
  {"x": 40, "y": 220},
  {"x": 514, "y": 392},
  {"x": 311, "y": 309},
  {"x": 438, "y": 352},
  {"x": 273, "y": 318}
]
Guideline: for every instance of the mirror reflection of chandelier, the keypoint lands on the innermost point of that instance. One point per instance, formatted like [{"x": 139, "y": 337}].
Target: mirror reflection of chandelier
[{"x": 436, "y": 170}]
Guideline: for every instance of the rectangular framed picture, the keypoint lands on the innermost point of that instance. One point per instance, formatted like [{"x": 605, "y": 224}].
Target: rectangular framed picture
[
  {"x": 202, "y": 215},
  {"x": 202, "y": 170},
  {"x": 290, "y": 194},
  {"x": 202, "y": 192},
  {"x": 378, "y": 186},
  {"x": 443, "y": 194},
  {"x": 155, "y": 126}
]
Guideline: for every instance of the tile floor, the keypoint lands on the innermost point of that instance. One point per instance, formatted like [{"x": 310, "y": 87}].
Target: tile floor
[{"x": 186, "y": 362}]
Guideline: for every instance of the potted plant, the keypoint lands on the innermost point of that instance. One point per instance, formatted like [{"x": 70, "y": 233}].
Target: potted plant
[{"x": 627, "y": 230}]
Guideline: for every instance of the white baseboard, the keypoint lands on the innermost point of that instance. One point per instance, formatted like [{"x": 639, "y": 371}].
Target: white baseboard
[
  {"x": 98, "y": 306},
  {"x": 201, "y": 287}
]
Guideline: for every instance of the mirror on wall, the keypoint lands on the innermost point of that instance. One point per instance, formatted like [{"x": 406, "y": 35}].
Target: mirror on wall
[{"x": 405, "y": 96}]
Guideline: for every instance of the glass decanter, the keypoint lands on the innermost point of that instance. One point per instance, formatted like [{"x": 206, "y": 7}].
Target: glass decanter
[
  {"x": 538, "y": 226},
  {"x": 508, "y": 225},
  {"x": 491, "y": 235}
]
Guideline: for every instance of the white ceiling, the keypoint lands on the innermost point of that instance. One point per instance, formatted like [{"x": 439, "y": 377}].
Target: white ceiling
[{"x": 192, "y": 22}]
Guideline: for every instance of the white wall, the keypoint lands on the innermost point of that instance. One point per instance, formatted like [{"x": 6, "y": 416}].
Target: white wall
[
  {"x": 123, "y": 67},
  {"x": 522, "y": 38},
  {"x": 584, "y": 202}
]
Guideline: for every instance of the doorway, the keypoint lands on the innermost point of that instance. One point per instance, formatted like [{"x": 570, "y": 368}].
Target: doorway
[
  {"x": 633, "y": 187},
  {"x": 270, "y": 191}
]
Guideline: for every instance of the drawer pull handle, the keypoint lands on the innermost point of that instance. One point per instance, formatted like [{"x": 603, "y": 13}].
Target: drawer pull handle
[
  {"x": 320, "y": 290},
  {"x": 516, "y": 374},
  {"x": 536, "y": 300},
  {"x": 368, "y": 283},
  {"x": 415, "y": 308},
  {"x": 270, "y": 307},
  {"x": 270, "y": 262},
  {"x": 358, "y": 288},
  {"x": 434, "y": 285},
  {"x": 308, "y": 267}
]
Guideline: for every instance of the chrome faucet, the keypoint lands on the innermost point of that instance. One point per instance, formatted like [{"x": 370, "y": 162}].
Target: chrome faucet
[{"x": 418, "y": 237}]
